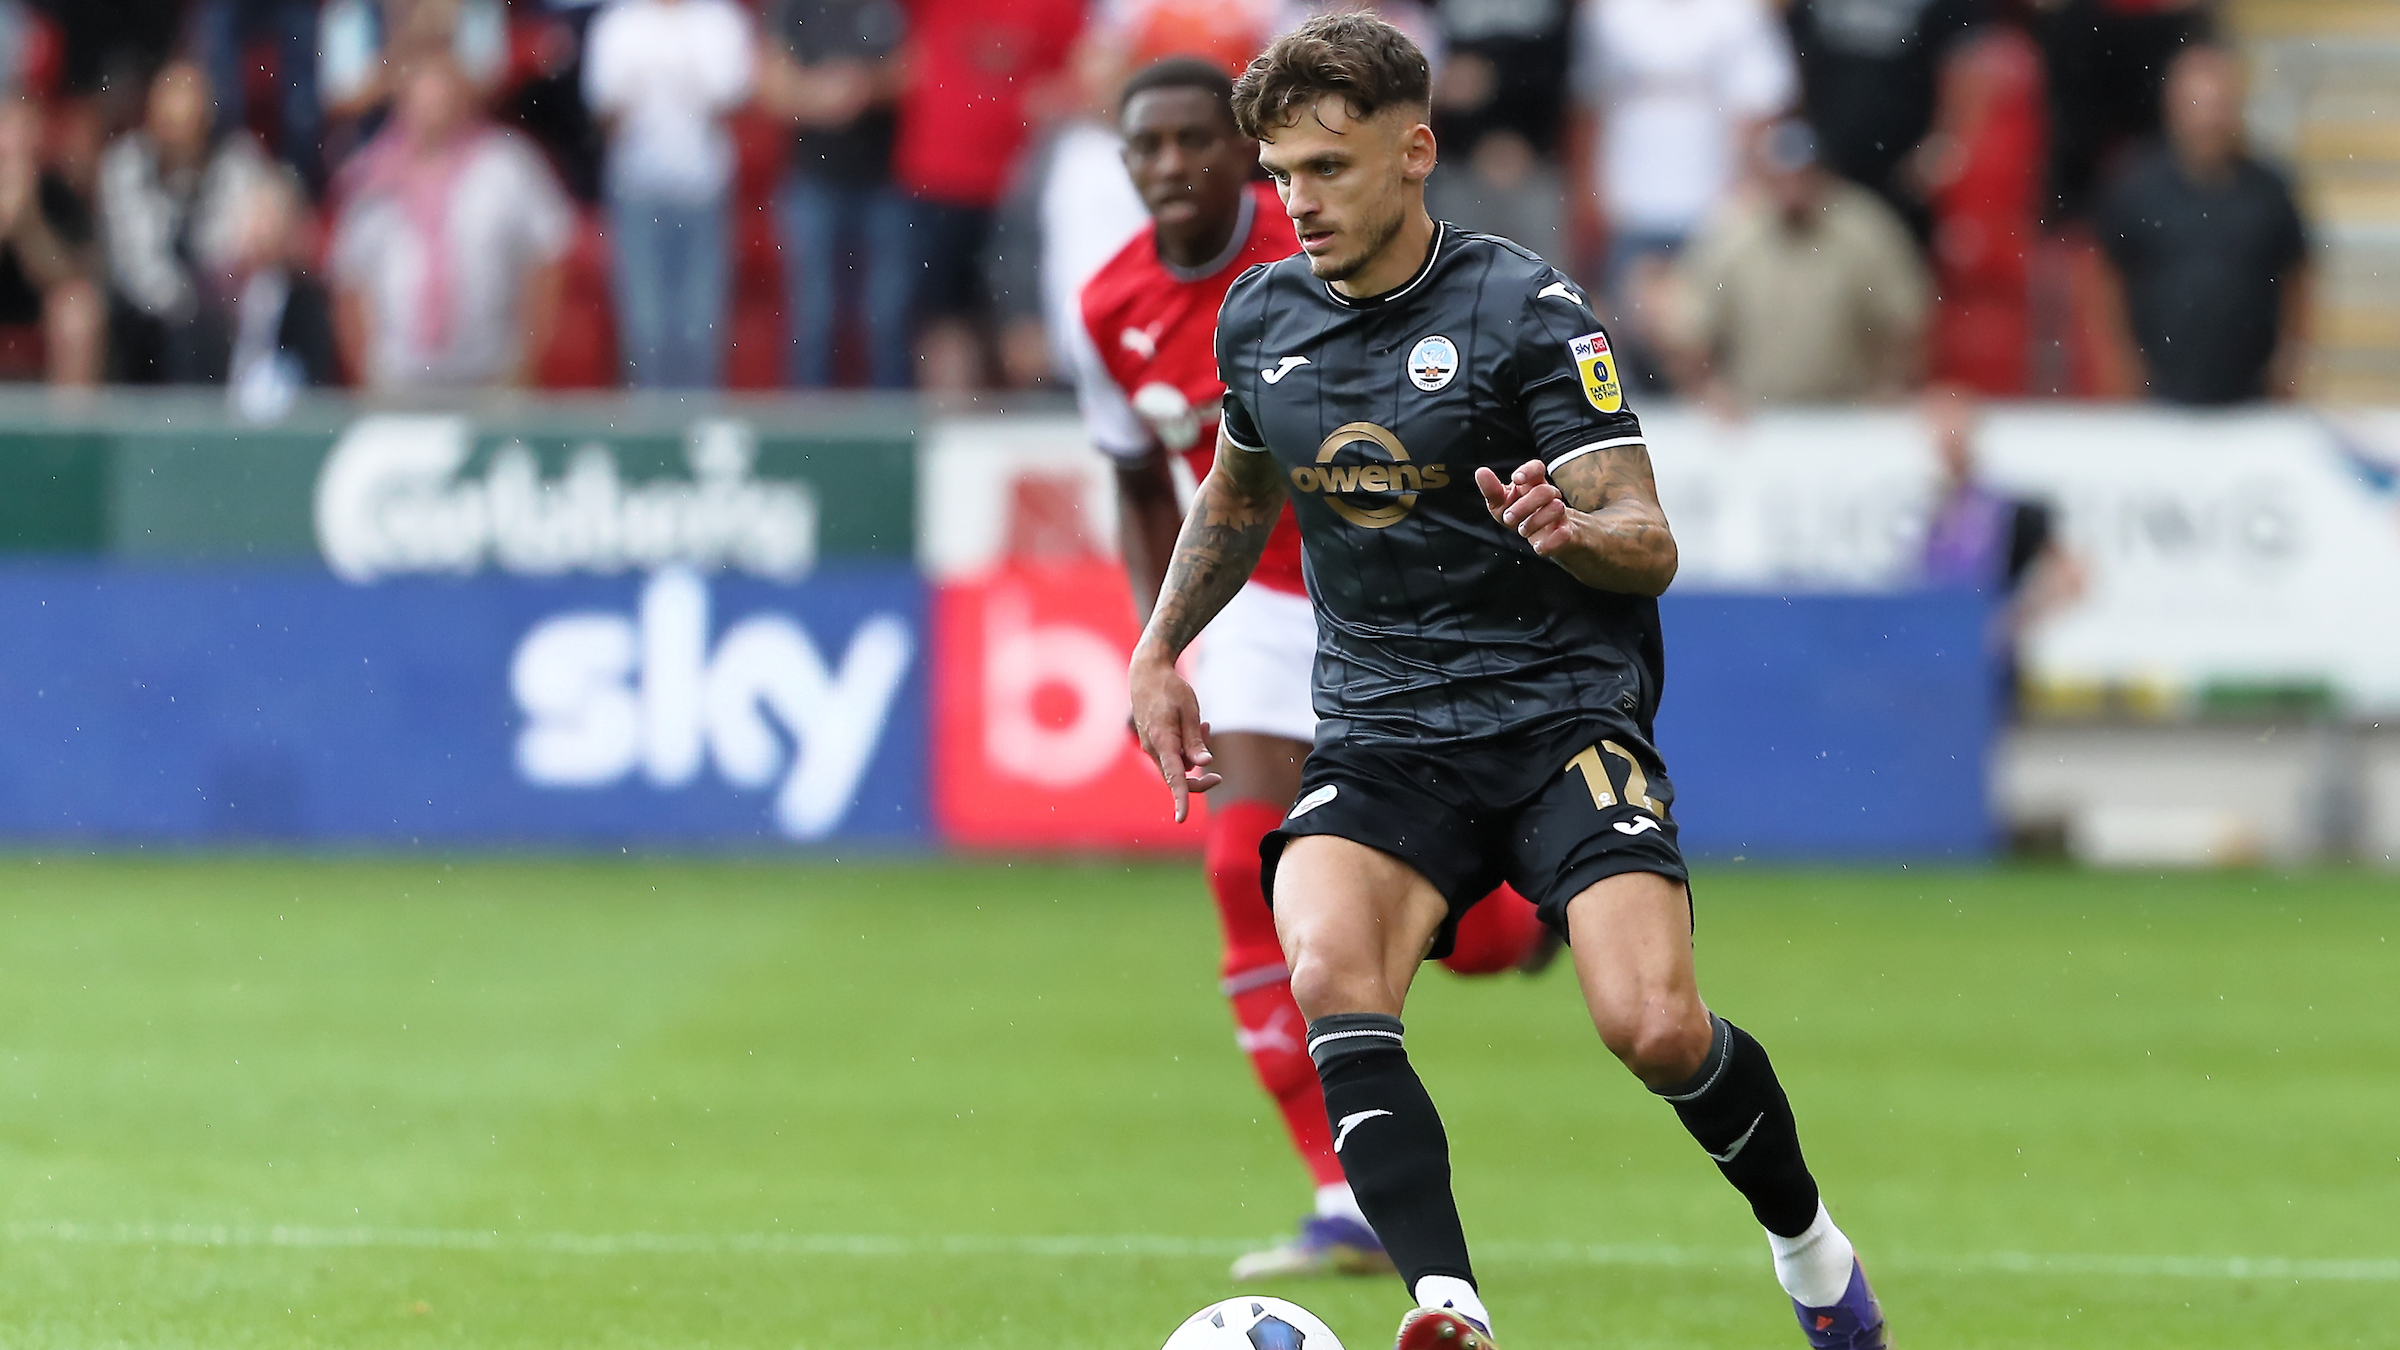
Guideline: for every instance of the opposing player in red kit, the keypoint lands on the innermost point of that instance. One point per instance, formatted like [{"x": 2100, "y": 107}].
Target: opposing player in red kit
[{"x": 1147, "y": 381}]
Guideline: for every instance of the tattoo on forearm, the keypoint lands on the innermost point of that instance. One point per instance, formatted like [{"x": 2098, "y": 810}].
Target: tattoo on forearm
[
  {"x": 1221, "y": 540},
  {"x": 1632, "y": 548}
]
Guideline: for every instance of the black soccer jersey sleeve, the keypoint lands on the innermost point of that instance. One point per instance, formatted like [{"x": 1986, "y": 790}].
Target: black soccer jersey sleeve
[
  {"x": 1233, "y": 326},
  {"x": 1573, "y": 399},
  {"x": 1238, "y": 425}
]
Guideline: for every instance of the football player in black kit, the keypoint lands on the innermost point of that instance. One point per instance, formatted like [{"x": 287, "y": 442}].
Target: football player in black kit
[{"x": 1484, "y": 547}]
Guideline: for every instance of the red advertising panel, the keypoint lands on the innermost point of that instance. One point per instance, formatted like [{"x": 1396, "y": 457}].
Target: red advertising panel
[{"x": 1030, "y": 747}]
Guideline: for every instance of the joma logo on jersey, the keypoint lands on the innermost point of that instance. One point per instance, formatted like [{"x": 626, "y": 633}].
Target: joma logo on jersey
[
  {"x": 1599, "y": 370},
  {"x": 1345, "y": 486}
]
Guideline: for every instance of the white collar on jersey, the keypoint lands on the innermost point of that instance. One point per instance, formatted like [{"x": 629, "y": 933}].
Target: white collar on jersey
[
  {"x": 1233, "y": 247},
  {"x": 1441, "y": 232}
]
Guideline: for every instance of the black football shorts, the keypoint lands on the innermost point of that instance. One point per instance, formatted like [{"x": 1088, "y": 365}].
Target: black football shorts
[{"x": 1548, "y": 813}]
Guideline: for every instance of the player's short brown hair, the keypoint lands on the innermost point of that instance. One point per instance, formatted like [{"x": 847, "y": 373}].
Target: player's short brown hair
[{"x": 1367, "y": 62}]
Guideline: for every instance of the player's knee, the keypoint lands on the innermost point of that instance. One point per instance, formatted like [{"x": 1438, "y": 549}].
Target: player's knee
[
  {"x": 1318, "y": 986},
  {"x": 1324, "y": 983},
  {"x": 1658, "y": 1043}
]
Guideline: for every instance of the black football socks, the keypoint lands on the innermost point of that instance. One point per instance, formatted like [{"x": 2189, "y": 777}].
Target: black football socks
[
  {"x": 1391, "y": 1143},
  {"x": 1736, "y": 1109}
]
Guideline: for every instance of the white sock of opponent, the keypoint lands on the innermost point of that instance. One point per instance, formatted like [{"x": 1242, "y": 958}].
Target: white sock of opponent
[
  {"x": 1814, "y": 1268},
  {"x": 1449, "y": 1291},
  {"x": 1338, "y": 1202}
]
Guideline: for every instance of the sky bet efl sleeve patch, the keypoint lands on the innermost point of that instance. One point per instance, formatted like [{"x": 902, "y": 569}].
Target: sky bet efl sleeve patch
[{"x": 1598, "y": 368}]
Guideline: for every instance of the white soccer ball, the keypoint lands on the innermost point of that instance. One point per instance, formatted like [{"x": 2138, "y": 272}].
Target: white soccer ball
[{"x": 1251, "y": 1323}]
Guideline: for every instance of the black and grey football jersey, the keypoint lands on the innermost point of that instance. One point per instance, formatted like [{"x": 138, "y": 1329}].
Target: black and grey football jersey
[{"x": 1433, "y": 620}]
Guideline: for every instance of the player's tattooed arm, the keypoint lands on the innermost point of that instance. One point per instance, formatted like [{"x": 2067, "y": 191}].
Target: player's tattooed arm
[
  {"x": 1223, "y": 535},
  {"x": 1599, "y": 518},
  {"x": 1230, "y": 519}
]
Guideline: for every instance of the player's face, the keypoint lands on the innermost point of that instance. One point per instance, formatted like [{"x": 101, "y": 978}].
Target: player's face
[
  {"x": 1347, "y": 182},
  {"x": 1186, "y": 158}
]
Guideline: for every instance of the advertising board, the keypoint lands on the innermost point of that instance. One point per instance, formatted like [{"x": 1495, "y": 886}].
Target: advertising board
[
  {"x": 1033, "y": 628},
  {"x": 729, "y": 624},
  {"x": 552, "y": 624},
  {"x": 279, "y": 704},
  {"x": 537, "y": 488},
  {"x": 1830, "y": 726},
  {"x": 1031, "y": 747},
  {"x": 2213, "y": 550}
]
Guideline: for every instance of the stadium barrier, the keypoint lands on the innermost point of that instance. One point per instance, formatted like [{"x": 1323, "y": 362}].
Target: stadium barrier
[{"x": 854, "y": 623}]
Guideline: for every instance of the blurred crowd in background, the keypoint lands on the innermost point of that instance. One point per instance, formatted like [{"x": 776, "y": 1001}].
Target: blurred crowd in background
[{"x": 1775, "y": 201}]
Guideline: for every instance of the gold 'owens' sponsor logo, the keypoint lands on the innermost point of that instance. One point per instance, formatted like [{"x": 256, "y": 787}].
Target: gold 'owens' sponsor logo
[{"x": 1373, "y": 495}]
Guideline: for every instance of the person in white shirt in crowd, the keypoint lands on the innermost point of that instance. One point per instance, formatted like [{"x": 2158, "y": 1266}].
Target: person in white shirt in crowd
[
  {"x": 446, "y": 256},
  {"x": 169, "y": 196},
  {"x": 662, "y": 75},
  {"x": 1669, "y": 94}
]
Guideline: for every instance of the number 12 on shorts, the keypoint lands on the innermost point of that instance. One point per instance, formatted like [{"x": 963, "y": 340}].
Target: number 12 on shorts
[{"x": 1596, "y": 778}]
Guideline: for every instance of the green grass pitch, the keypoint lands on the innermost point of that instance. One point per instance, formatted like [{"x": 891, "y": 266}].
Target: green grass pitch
[{"x": 891, "y": 1106}]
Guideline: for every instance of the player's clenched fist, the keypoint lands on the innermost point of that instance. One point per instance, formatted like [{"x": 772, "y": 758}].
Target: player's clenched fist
[
  {"x": 1166, "y": 717},
  {"x": 1529, "y": 504}
]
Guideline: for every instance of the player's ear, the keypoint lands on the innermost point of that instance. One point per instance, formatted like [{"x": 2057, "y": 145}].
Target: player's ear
[{"x": 1417, "y": 151}]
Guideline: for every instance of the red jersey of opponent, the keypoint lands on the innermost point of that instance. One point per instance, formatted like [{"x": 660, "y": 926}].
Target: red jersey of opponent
[{"x": 1148, "y": 361}]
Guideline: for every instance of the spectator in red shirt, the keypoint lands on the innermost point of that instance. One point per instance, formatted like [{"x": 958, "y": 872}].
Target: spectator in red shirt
[
  {"x": 980, "y": 75},
  {"x": 1981, "y": 168}
]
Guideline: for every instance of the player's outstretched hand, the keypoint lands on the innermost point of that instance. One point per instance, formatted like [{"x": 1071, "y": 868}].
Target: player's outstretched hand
[
  {"x": 1529, "y": 504},
  {"x": 1166, "y": 718}
]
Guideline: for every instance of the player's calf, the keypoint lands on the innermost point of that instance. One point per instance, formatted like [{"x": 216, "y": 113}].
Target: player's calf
[
  {"x": 1735, "y": 1107},
  {"x": 1733, "y": 1104},
  {"x": 1393, "y": 1146},
  {"x": 1633, "y": 954}
]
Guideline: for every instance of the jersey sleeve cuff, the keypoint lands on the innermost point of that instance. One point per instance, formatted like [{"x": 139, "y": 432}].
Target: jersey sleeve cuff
[
  {"x": 1238, "y": 443},
  {"x": 1580, "y": 451}
]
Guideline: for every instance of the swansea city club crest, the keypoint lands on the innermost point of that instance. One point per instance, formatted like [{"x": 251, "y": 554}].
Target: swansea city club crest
[{"x": 1432, "y": 362}]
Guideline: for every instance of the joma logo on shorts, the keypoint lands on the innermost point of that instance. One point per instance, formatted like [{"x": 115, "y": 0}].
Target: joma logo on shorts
[{"x": 1339, "y": 483}]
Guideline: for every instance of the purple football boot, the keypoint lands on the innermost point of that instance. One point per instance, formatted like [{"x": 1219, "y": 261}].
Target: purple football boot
[
  {"x": 1855, "y": 1322},
  {"x": 1325, "y": 1245}
]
